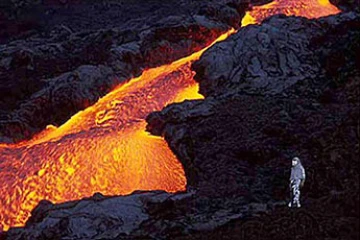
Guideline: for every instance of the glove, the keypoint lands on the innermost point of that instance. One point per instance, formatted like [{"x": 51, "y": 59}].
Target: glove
[{"x": 302, "y": 183}]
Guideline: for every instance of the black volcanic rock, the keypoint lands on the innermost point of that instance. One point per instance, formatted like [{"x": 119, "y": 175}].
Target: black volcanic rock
[
  {"x": 270, "y": 58},
  {"x": 347, "y": 5},
  {"x": 257, "y": 116},
  {"x": 91, "y": 218},
  {"x": 140, "y": 36},
  {"x": 236, "y": 146}
]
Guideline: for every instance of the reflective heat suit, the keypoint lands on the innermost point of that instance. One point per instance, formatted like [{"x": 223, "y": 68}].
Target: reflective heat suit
[{"x": 297, "y": 179}]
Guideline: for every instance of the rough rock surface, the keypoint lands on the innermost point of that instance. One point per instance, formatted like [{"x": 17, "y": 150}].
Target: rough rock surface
[
  {"x": 98, "y": 217},
  {"x": 116, "y": 40},
  {"x": 289, "y": 87},
  {"x": 237, "y": 143},
  {"x": 267, "y": 59}
]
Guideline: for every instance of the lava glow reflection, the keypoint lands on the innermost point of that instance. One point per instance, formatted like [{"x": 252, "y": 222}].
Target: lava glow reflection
[{"x": 105, "y": 148}]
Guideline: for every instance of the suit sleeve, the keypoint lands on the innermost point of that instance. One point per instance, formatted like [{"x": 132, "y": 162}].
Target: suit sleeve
[{"x": 303, "y": 173}]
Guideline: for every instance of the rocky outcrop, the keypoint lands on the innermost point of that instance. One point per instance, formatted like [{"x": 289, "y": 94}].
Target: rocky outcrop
[
  {"x": 268, "y": 59},
  {"x": 43, "y": 69},
  {"x": 97, "y": 217},
  {"x": 236, "y": 145}
]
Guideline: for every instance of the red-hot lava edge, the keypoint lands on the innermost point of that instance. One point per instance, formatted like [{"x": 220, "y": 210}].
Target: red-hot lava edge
[{"x": 105, "y": 148}]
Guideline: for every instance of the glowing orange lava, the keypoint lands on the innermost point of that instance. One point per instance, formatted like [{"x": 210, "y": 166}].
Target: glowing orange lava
[
  {"x": 105, "y": 148},
  {"x": 304, "y": 8},
  {"x": 101, "y": 149}
]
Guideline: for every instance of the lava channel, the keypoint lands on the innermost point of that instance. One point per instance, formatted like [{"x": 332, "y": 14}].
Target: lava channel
[{"x": 105, "y": 147}]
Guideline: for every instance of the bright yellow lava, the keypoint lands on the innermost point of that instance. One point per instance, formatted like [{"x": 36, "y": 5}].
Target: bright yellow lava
[
  {"x": 105, "y": 148},
  {"x": 304, "y": 8}
]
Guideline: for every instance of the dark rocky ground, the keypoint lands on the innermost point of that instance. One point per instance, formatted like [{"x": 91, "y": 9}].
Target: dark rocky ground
[
  {"x": 346, "y": 5},
  {"x": 58, "y": 57},
  {"x": 287, "y": 87}
]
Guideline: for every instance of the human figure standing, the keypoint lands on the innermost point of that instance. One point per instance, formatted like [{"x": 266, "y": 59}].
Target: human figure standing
[{"x": 297, "y": 180}]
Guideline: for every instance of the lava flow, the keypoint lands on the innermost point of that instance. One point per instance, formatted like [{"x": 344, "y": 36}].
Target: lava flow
[
  {"x": 105, "y": 148},
  {"x": 101, "y": 149},
  {"x": 304, "y": 8}
]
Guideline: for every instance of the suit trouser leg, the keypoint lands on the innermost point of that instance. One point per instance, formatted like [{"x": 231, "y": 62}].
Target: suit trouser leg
[{"x": 296, "y": 192}]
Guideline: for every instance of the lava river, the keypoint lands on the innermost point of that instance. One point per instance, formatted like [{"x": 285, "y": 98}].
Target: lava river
[{"x": 105, "y": 148}]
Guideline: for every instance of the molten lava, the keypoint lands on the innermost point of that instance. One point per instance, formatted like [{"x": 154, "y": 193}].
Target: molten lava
[
  {"x": 105, "y": 148},
  {"x": 304, "y": 8},
  {"x": 101, "y": 149}
]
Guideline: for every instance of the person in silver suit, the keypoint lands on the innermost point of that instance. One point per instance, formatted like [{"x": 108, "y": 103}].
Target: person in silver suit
[{"x": 297, "y": 180}]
